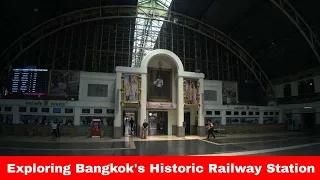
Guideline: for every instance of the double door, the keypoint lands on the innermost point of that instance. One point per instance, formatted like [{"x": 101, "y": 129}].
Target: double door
[{"x": 158, "y": 123}]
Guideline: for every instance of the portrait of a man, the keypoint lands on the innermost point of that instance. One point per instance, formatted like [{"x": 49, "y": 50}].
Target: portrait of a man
[{"x": 159, "y": 85}]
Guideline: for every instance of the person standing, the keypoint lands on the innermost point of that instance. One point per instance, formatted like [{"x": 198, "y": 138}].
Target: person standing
[
  {"x": 144, "y": 129},
  {"x": 210, "y": 130},
  {"x": 54, "y": 130},
  {"x": 58, "y": 128},
  {"x": 131, "y": 125}
]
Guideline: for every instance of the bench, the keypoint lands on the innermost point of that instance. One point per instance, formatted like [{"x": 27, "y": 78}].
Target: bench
[{"x": 220, "y": 132}]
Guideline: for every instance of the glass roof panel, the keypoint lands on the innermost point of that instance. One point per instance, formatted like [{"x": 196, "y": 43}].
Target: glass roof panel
[{"x": 146, "y": 32}]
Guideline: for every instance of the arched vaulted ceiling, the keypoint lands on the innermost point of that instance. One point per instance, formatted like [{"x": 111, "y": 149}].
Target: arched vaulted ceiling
[{"x": 258, "y": 25}]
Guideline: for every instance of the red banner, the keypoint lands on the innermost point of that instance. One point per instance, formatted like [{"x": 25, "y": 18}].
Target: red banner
[{"x": 159, "y": 167}]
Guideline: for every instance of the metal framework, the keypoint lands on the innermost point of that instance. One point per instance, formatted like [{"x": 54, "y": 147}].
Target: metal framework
[
  {"x": 300, "y": 23},
  {"x": 101, "y": 38}
]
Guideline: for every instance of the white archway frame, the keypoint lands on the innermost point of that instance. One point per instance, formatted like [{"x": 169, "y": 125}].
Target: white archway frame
[{"x": 145, "y": 61}]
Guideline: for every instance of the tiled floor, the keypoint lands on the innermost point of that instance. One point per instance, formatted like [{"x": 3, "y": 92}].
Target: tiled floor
[{"x": 267, "y": 144}]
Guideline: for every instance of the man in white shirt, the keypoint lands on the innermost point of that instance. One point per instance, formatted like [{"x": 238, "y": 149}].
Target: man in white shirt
[
  {"x": 158, "y": 83},
  {"x": 54, "y": 130}
]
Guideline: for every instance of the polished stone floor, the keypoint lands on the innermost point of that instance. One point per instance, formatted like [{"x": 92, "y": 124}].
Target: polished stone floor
[{"x": 292, "y": 144}]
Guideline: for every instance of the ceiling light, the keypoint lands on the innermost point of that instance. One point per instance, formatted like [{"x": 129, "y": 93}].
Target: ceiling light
[{"x": 35, "y": 9}]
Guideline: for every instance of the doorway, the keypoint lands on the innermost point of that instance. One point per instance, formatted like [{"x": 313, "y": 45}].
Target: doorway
[
  {"x": 308, "y": 121},
  {"x": 158, "y": 123},
  {"x": 130, "y": 123},
  {"x": 187, "y": 123}
]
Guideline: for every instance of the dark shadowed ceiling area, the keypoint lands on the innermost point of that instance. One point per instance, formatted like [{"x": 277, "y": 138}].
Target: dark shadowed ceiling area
[{"x": 258, "y": 25}]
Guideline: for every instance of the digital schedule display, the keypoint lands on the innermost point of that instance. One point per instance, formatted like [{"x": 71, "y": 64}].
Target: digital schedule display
[{"x": 31, "y": 82}]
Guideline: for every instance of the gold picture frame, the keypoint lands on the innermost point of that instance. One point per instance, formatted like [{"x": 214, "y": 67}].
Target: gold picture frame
[
  {"x": 130, "y": 89},
  {"x": 191, "y": 90}
]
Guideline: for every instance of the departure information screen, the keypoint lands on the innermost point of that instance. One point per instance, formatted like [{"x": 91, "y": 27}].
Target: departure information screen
[{"x": 29, "y": 81}]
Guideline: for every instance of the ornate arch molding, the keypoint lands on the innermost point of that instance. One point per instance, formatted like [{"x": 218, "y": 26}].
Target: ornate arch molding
[
  {"x": 30, "y": 38},
  {"x": 300, "y": 23}
]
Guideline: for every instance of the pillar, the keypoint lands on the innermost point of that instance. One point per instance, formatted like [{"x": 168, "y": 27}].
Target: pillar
[
  {"x": 143, "y": 102},
  {"x": 281, "y": 117},
  {"x": 223, "y": 117},
  {"x": 117, "y": 113},
  {"x": 201, "y": 131},
  {"x": 180, "y": 108},
  {"x": 76, "y": 119},
  {"x": 261, "y": 117},
  {"x": 15, "y": 115},
  {"x": 193, "y": 121}
]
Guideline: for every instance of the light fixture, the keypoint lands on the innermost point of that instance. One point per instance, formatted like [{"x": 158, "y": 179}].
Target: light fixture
[
  {"x": 35, "y": 9},
  {"x": 307, "y": 107}
]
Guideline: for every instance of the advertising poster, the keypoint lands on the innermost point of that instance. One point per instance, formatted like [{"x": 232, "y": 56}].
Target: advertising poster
[
  {"x": 229, "y": 92},
  {"x": 64, "y": 83}
]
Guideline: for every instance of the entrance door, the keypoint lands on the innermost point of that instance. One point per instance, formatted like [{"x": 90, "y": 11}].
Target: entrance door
[
  {"x": 187, "y": 123},
  {"x": 130, "y": 123},
  {"x": 158, "y": 123},
  {"x": 308, "y": 122}
]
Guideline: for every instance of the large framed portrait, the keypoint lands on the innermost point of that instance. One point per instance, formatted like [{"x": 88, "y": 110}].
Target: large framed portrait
[
  {"x": 191, "y": 92},
  {"x": 130, "y": 88},
  {"x": 159, "y": 85},
  {"x": 64, "y": 83}
]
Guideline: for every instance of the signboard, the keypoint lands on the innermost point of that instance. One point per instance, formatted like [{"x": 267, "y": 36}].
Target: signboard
[
  {"x": 46, "y": 103},
  {"x": 160, "y": 105}
]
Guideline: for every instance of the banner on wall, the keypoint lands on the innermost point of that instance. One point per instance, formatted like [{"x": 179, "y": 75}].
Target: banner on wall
[
  {"x": 64, "y": 83},
  {"x": 229, "y": 92},
  {"x": 159, "y": 105},
  {"x": 130, "y": 88},
  {"x": 191, "y": 91}
]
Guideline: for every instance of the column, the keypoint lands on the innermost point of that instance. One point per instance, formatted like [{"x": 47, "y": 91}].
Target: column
[
  {"x": 180, "y": 108},
  {"x": 143, "y": 102},
  {"x": 201, "y": 131},
  {"x": 76, "y": 116},
  {"x": 281, "y": 117},
  {"x": 193, "y": 121},
  {"x": 15, "y": 115},
  {"x": 261, "y": 117},
  {"x": 223, "y": 117},
  {"x": 117, "y": 132}
]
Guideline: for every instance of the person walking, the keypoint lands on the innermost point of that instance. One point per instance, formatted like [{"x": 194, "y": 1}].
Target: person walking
[
  {"x": 54, "y": 130},
  {"x": 210, "y": 130},
  {"x": 144, "y": 129},
  {"x": 131, "y": 126}
]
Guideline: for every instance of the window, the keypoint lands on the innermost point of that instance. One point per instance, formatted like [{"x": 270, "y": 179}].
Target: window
[
  {"x": 257, "y": 113},
  {"x": 235, "y": 113},
  {"x": 22, "y": 109},
  {"x": 110, "y": 111},
  {"x": 306, "y": 87},
  {"x": 97, "y": 111},
  {"x": 33, "y": 109},
  {"x": 97, "y": 90},
  {"x": 208, "y": 112},
  {"x": 45, "y": 110},
  {"x": 228, "y": 113},
  {"x": 265, "y": 113},
  {"x": 210, "y": 95},
  {"x": 243, "y": 113},
  {"x": 86, "y": 111},
  {"x": 271, "y": 113},
  {"x": 68, "y": 110},
  {"x": 250, "y": 113},
  {"x": 217, "y": 113},
  {"x": 56, "y": 110},
  {"x": 277, "y": 113},
  {"x": 287, "y": 90},
  {"x": 7, "y": 109}
]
